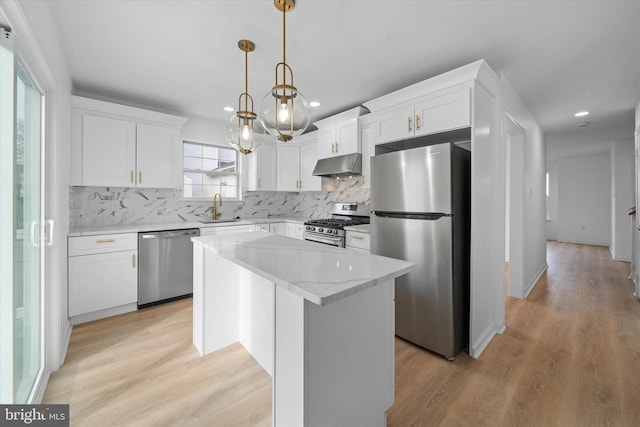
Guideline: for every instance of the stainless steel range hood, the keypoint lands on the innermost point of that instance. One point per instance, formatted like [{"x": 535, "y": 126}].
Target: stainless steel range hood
[{"x": 339, "y": 166}]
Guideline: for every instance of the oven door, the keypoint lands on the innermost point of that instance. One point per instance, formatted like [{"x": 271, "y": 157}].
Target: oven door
[{"x": 337, "y": 241}]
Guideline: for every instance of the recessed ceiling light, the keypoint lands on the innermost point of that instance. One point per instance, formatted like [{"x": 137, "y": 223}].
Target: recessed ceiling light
[
  {"x": 314, "y": 104},
  {"x": 581, "y": 113},
  {"x": 229, "y": 109}
]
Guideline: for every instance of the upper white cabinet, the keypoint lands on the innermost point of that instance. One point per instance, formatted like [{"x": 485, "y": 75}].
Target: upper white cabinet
[
  {"x": 368, "y": 131},
  {"x": 117, "y": 145},
  {"x": 158, "y": 157},
  {"x": 296, "y": 161},
  {"x": 426, "y": 115},
  {"x": 260, "y": 168},
  {"x": 339, "y": 134}
]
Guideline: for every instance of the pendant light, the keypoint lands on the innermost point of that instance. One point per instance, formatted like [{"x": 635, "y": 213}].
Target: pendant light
[
  {"x": 284, "y": 111},
  {"x": 245, "y": 131}
]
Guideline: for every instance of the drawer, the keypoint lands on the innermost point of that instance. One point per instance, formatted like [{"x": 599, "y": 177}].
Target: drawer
[
  {"x": 103, "y": 243},
  {"x": 357, "y": 240}
]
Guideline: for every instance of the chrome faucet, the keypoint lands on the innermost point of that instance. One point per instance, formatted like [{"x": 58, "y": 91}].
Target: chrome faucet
[{"x": 215, "y": 213}]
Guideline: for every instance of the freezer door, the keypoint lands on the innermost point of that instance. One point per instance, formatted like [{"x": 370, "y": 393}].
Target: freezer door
[
  {"x": 424, "y": 296},
  {"x": 415, "y": 180}
]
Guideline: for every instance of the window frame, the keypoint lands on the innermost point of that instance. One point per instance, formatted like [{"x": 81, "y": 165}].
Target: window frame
[{"x": 238, "y": 172}]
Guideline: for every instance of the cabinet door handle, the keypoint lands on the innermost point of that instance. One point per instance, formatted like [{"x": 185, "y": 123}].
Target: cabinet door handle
[
  {"x": 409, "y": 124},
  {"x": 333, "y": 148},
  {"x": 337, "y": 149},
  {"x": 133, "y": 260},
  {"x": 417, "y": 122},
  {"x": 300, "y": 185},
  {"x": 140, "y": 177},
  {"x": 258, "y": 182},
  {"x": 105, "y": 241},
  {"x": 131, "y": 177}
]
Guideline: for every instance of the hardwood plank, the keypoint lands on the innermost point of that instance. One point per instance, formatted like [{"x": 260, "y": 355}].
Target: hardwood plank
[{"x": 570, "y": 355}]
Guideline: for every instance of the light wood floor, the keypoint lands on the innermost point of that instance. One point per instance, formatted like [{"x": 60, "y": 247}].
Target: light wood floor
[{"x": 570, "y": 356}]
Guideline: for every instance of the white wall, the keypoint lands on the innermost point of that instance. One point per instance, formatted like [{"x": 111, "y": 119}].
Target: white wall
[
  {"x": 584, "y": 193},
  {"x": 57, "y": 145},
  {"x": 622, "y": 198},
  {"x": 532, "y": 246}
]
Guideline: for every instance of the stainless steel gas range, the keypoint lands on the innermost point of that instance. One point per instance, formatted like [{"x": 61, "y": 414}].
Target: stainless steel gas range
[{"x": 330, "y": 231}]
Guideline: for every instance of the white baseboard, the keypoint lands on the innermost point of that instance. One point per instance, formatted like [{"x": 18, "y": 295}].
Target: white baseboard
[
  {"x": 532, "y": 283},
  {"x": 101, "y": 314},
  {"x": 476, "y": 348}
]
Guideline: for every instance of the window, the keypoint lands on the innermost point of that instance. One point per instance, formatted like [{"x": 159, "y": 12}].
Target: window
[{"x": 209, "y": 169}]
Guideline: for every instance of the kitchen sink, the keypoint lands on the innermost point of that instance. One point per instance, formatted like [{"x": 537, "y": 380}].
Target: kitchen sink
[{"x": 219, "y": 221}]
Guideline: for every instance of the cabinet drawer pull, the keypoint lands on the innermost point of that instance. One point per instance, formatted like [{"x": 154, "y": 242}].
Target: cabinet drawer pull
[
  {"x": 133, "y": 260},
  {"x": 417, "y": 122},
  {"x": 140, "y": 177},
  {"x": 105, "y": 241},
  {"x": 356, "y": 237},
  {"x": 131, "y": 177},
  {"x": 409, "y": 124}
]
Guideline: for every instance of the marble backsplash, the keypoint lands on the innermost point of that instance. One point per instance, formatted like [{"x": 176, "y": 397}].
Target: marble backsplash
[{"x": 100, "y": 206}]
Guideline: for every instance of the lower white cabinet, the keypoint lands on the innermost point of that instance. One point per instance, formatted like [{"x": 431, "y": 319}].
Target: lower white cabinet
[
  {"x": 273, "y": 228},
  {"x": 358, "y": 241},
  {"x": 295, "y": 230},
  {"x": 103, "y": 275}
]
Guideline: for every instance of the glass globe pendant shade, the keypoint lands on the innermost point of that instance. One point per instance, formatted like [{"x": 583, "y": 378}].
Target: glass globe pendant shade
[
  {"x": 245, "y": 132},
  {"x": 285, "y": 112}
]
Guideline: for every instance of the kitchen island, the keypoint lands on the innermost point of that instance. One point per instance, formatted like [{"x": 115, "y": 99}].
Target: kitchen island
[{"x": 318, "y": 319}]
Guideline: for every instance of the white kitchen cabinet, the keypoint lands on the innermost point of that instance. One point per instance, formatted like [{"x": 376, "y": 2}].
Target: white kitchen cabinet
[
  {"x": 288, "y": 175},
  {"x": 368, "y": 130},
  {"x": 295, "y": 230},
  {"x": 227, "y": 229},
  {"x": 295, "y": 164},
  {"x": 308, "y": 160},
  {"x": 117, "y": 145},
  {"x": 279, "y": 228},
  {"x": 103, "y": 276},
  {"x": 358, "y": 240},
  {"x": 339, "y": 134},
  {"x": 108, "y": 151},
  {"x": 260, "y": 168},
  {"x": 158, "y": 154},
  {"x": 273, "y": 228},
  {"x": 434, "y": 113}
]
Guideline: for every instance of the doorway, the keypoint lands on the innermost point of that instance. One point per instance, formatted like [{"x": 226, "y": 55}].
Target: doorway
[{"x": 514, "y": 216}]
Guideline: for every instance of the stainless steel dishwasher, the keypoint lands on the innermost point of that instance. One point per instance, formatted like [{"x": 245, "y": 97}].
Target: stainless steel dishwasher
[{"x": 165, "y": 265}]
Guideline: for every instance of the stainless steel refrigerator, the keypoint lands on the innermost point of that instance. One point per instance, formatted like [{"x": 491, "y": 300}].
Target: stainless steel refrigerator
[{"x": 420, "y": 203}]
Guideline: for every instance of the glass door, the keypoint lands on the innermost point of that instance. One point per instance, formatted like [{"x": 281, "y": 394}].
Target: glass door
[
  {"x": 29, "y": 234},
  {"x": 22, "y": 228}
]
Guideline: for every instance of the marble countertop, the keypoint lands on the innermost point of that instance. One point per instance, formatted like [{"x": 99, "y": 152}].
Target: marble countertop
[
  {"x": 319, "y": 273},
  {"x": 362, "y": 228},
  {"x": 138, "y": 228}
]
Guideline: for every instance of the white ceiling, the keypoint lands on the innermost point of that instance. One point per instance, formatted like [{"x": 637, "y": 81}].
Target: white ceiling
[{"x": 181, "y": 56}]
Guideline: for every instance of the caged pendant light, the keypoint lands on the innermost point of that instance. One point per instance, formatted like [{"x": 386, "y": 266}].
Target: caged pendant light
[
  {"x": 245, "y": 131},
  {"x": 284, "y": 111}
]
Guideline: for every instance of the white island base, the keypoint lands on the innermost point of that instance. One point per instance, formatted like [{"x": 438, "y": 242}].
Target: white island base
[{"x": 319, "y": 320}]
